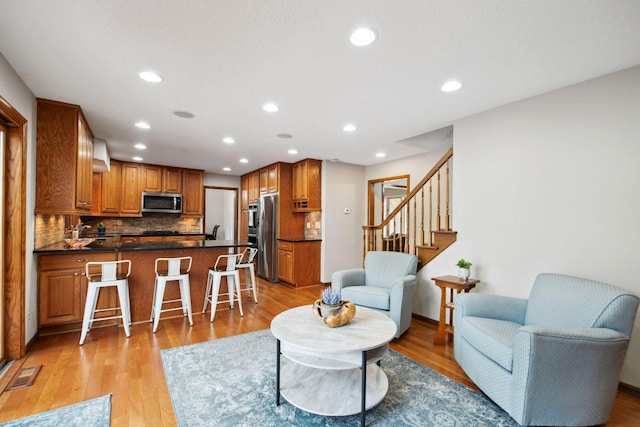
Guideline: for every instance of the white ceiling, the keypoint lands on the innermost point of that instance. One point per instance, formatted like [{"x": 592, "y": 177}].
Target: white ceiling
[{"x": 222, "y": 60}]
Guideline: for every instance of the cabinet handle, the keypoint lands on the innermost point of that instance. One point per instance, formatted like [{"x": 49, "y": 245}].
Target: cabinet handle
[
  {"x": 75, "y": 274},
  {"x": 80, "y": 260}
]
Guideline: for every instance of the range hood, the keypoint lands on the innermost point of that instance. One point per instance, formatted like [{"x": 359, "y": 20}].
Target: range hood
[{"x": 101, "y": 160}]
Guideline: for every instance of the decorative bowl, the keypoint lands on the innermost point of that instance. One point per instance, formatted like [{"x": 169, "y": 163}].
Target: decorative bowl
[{"x": 79, "y": 243}]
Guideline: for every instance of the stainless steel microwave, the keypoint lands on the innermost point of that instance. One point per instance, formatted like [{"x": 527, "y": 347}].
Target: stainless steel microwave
[{"x": 162, "y": 202}]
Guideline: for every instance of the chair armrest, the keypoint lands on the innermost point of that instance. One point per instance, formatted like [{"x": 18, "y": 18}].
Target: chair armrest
[
  {"x": 491, "y": 306},
  {"x": 600, "y": 335},
  {"x": 560, "y": 366},
  {"x": 344, "y": 278}
]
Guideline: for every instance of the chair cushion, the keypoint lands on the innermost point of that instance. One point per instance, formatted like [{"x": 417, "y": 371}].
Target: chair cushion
[
  {"x": 367, "y": 296},
  {"x": 491, "y": 337}
]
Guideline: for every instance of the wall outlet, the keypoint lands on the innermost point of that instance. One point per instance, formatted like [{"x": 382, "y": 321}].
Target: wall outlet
[
  {"x": 317, "y": 225},
  {"x": 308, "y": 225},
  {"x": 28, "y": 315}
]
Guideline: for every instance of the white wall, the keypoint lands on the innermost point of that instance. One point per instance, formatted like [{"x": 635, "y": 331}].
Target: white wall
[
  {"x": 342, "y": 233},
  {"x": 550, "y": 184},
  {"x": 16, "y": 93},
  {"x": 215, "y": 215}
]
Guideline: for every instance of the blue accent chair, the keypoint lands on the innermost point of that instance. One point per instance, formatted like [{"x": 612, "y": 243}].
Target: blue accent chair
[
  {"x": 386, "y": 284},
  {"x": 552, "y": 360}
]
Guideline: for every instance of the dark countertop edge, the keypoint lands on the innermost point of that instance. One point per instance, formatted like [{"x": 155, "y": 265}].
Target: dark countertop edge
[
  {"x": 61, "y": 248},
  {"x": 288, "y": 239}
]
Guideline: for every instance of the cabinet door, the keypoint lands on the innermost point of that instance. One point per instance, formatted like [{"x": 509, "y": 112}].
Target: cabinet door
[
  {"x": 96, "y": 197},
  {"x": 264, "y": 181},
  {"x": 285, "y": 266},
  {"x": 192, "y": 193},
  {"x": 300, "y": 181},
  {"x": 244, "y": 225},
  {"x": 84, "y": 165},
  {"x": 152, "y": 178},
  {"x": 131, "y": 198},
  {"x": 244, "y": 192},
  {"x": 254, "y": 187},
  {"x": 172, "y": 180},
  {"x": 111, "y": 189},
  {"x": 273, "y": 179},
  {"x": 60, "y": 297}
]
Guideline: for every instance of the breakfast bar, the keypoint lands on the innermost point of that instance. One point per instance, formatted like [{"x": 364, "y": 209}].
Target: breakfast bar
[{"x": 62, "y": 286}]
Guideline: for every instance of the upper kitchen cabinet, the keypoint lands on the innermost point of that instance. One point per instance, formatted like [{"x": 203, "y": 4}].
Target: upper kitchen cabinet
[
  {"x": 269, "y": 179},
  {"x": 117, "y": 192},
  {"x": 254, "y": 187},
  {"x": 161, "y": 179},
  {"x": 192, "y": 193},
  {"x": 244, "y": 192},
  {"x": 307, "y": 185},
  {"x": 64, "y": 160}
]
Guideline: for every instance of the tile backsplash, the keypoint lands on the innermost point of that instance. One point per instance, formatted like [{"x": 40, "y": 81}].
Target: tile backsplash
[
  {"x": 50, "y": 229},
  {"x": 314, "y": 222}
]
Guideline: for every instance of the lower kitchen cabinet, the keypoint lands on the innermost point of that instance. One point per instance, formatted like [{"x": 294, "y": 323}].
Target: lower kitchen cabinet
[
  {"x": 299, "y": 262},
  {"x": 62, "y": 288}
]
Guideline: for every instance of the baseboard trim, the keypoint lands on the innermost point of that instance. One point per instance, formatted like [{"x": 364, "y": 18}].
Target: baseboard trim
[
  {"x": 424, "y": 319},
  {"x": 629, "y": 389}
]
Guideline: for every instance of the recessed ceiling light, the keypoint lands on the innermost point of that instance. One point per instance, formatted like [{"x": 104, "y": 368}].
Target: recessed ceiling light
[
  {"x": 243, "y": 160},
  {"x": 226, "y": 169},
  {"x": 184, "y": 114},
  {"x": 380, "y": 154},
  {"x": 150, "y": 76},
  {"x": 140, "y": 146},
  {"x": 137, "y": 158},
  {"x": 451, "y": 86},
  {"x": 284, "y": 135},
  {"x": 293, "y": 151},
  {"x": 349, "y": 127},
  {"x": 270, "y": 107},
  {"x": 228, "y": 140},
  {"x": 363, "y": 37},
  {"x": 143, "y": 125}
]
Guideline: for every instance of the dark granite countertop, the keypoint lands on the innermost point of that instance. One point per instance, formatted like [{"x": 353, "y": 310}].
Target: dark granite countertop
[{"x": 113, "y": 245}]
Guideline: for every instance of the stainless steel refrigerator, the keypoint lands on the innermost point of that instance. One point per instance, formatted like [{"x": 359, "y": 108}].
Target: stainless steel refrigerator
[{"x": 267, "y": 237}]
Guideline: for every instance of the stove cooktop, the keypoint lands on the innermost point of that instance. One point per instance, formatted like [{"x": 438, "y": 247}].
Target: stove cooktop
[{"x": 159, "y": 233}]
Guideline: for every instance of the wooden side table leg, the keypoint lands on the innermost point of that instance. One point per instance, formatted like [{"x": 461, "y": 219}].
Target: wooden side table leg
[{"x": 441, "y": 335}]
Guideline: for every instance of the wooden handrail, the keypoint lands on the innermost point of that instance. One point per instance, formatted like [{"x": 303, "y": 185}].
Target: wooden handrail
[{"x": 403, "y": 223}]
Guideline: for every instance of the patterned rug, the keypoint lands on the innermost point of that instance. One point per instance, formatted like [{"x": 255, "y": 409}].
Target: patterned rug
[
  {"x": 231, "y": 382},
  {"x": 95, "y": 413}
]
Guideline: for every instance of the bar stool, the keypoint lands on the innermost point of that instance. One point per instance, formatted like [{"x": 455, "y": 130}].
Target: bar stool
[
  {"x": 177, "y": 269},
  {"x": 101, "y": 275},
  {"x": 230, "y": 271},
  {"x": 246, "y": 262}
]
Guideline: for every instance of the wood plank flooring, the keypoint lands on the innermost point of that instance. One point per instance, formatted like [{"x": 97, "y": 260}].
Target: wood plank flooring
[{"x": 131, "y": 370}]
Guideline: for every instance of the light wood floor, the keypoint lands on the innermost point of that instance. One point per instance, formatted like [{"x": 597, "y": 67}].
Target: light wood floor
[{"x": 131, "y": 370}]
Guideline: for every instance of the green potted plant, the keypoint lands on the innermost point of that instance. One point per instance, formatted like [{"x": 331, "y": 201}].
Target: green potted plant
[
  {"x": 463, "y": 269},
  {"x": 101, "y": 229}
]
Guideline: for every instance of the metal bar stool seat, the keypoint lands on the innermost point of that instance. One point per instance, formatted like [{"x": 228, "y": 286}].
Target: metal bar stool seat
[
  {"x": 246, "y": 263},
  {"x": 216, "y": 273},
  {"x": 101, "y": 275},
  {"x": 168, "y": 270}
]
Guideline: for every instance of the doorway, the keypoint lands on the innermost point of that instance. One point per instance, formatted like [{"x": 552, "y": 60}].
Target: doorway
[
  {"x": 384, "y": 196},
  {"x": 221, "y": 210},
  {"x": 13, "y": 232}
]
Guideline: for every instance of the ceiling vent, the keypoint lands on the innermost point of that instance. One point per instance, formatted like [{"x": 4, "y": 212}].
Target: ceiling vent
[{"x": 101, "y": 160}]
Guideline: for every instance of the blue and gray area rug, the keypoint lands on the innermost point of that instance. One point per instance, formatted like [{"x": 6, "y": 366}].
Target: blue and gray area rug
[
  {"x": 231, "y": 382},
  {"x": 95, "y": 413}
]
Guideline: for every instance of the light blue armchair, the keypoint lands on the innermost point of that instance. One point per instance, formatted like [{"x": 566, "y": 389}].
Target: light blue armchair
[
  {"x": 386, "y": 284},
  {"x": 554, "y": 359}
]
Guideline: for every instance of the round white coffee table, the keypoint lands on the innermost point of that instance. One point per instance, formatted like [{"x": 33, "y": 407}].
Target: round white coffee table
[{"x": 326, "y": 374}]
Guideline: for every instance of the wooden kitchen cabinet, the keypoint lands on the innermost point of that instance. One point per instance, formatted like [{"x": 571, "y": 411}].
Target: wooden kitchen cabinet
[
  {"x": 254, "y": 187},
  {"x": 64, "y": 160},
  {"x": 62, "y": 288},
  {"x": 307, "y": 185},
  {"x": 192, "y": 193},
  {"x": 244, "y": 192},
  {"x": 299, "y": 262},
  {"x": 117, "y": 192},
  {"x": 264, "y": 181},
  {"x": 161, "y": 179},
  {"x": 131, "y": 194},
  {"x": 244, "y": 225}
]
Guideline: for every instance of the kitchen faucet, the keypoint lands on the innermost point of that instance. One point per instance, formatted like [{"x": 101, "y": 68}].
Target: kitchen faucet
[{"x": 75, "y": 233}]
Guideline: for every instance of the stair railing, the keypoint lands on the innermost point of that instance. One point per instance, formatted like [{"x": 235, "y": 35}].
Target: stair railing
[{"x": 424, "y": 210}]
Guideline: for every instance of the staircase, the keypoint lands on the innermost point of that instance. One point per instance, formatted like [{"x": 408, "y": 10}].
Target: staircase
[{"x": 421, "y": 223}]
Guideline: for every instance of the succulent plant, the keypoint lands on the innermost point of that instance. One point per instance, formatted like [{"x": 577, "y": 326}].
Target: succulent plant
[{"x": 331, "y": 297}]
